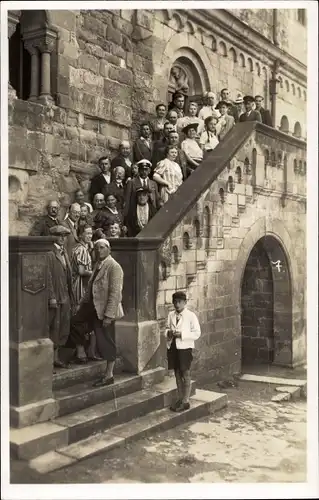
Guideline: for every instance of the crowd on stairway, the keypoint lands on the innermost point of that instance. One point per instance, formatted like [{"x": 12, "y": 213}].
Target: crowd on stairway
[{"x": 85, "y": 282}]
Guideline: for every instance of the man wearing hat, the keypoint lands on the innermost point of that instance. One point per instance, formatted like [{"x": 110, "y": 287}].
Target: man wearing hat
[
  {"x": 182, "y": 329},
  {"x": 209, "y": 109},
  {"x": 239, "y": 104},
  {"x": 226, "y": 121},
  {"x": 141, "y": 181},
  {"x": 265, "y": 114},
  {"x": 190, "y": 146},
  {"x": 250, "y": 114},
  {"x": 100, "y": 307},
  {"x": 61, "y": 300}
]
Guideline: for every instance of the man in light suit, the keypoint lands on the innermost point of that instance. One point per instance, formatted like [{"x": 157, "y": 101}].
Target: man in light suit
[
  {"x": 100, "y": 308},
  {"x": 250, "y": 115},
  {"x": 71, "y": 223}
]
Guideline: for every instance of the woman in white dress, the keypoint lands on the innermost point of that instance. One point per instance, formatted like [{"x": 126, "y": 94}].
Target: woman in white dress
[
  {"x": 168, "y": 174},
  {"x": 190, "y": 146},
  {"x": 208, "y": 139}
]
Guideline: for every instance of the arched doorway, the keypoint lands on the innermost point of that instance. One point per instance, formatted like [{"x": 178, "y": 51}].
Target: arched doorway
[{"x": 266, "y": 305}]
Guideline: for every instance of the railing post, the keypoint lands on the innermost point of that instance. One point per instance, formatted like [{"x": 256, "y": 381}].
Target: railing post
[
  {"x": 138, "y": 334},
  {"x": 31, "y": 350}
]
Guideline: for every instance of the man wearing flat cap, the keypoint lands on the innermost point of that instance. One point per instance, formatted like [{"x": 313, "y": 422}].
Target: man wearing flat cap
[
  {"x": 142, "y": 181},
  {"x": 61, "y": 299},
  {"x": 250, "y": 114},
  {"x": 100, "y": 307}
]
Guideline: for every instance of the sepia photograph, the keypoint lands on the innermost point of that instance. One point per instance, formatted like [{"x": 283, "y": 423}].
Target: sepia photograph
[{"x": 155, "y": 248}]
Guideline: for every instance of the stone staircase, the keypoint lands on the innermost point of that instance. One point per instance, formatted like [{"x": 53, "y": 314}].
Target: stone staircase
[{"x": 92, "y": 420}]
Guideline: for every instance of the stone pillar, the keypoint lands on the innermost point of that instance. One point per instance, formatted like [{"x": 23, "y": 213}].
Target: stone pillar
[
  {"x": 273, "y": 92},
  {"x": 13, "y": 19},
  {"x": 40, "y": 42},
  {"x": 138, "y": 333},
  {"x": 46, "y": 46},
  {"x": 31, "y": 350},
  {"x": 35, "y": 68}
]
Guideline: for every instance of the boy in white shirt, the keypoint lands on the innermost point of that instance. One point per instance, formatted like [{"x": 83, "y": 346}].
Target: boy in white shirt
[{"x": 182, "y": 330}]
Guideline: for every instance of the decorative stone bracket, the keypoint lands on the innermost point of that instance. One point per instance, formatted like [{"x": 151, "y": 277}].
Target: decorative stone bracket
[{"x": 41, "y": 43}]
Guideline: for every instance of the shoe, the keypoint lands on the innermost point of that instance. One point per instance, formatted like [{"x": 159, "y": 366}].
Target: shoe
[
  {"x": 103, "y": 382},
  {"x": 175, "y": 405},
  {"x": 183, "y": 407},
  {"x": 80, "y": 361},
  {"x": 95, "y": 358}
]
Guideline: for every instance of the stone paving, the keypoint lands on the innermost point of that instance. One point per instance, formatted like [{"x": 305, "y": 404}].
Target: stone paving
[{"x": 253, "y": 440}]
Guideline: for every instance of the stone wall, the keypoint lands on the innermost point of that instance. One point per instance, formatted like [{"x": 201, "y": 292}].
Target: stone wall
[
  {"x": 206, "y": 254},
  {"x": 109, "y": 70}
]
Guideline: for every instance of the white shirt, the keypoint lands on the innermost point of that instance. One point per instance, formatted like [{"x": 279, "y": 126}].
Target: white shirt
[
  {"x": 107, "y": 177},
  {"x": 188, "y": 326},
  {"x": 207, "y": 111},
  {"x": 142, "y": 212},
  {"x": 144, "y": 182}
]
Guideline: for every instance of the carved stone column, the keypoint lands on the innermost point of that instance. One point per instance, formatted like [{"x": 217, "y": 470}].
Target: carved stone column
[
  {"x": 41, "y": 43},
  {"x": 46, "y": 46},
  {"x": 35, "y": 69},
  {"x": 273, "y": 91},
  {"x": 13, "y": 19}
]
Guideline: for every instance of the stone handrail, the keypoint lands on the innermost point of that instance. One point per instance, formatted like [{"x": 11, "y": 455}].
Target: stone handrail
[{"x": 166, "y": 219}]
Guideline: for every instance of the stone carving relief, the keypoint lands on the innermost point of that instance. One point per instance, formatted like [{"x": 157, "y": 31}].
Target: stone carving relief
[{"x": 179, "y": 79}]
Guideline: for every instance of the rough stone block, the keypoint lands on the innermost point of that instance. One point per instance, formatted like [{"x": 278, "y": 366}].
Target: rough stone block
[
  {"x": 104, "y": 68},
  {"x": 113, "y": 35},
  {"x": 120, "y": 75},
  {"x": 87, "y": 61},
  {"x": 24, "y": 158},
  {"x": 139, "y": 345},
  {"x": 145, "y": 19},
  {"x": 64, "y": 18},
  {"x": 93, "y": 25},
  {"x": 122, "y": 114},
  {"x": 123, "y": 25},
  {"x": 117, "y": 92},
  {"x": 41, "y": 411},
  {"x": 37, "y": 439}
]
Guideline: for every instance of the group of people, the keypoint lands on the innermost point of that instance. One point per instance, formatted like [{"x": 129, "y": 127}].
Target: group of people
[{"x": 85, "y": 282}]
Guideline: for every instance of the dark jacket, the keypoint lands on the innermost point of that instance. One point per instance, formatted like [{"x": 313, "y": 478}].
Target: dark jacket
[
  {"x": 60, "y": 289},
  {"x": 42, "y": 226},
  {"x": 130, "y": 199},
  {"x": 254, "y": 116},
  {"x": 98, "y": 183},
  {"x": 119, "y": 161},
  {"x": 265, "y": 116},
  {"x": 141, "y": 151},
  {"x": 119, "y": 192}
]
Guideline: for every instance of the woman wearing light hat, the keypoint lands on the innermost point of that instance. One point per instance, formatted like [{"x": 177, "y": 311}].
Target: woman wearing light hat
[{"x": 190, "y": 146}]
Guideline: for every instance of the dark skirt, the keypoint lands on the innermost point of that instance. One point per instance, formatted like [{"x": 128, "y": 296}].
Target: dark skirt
[
  {"x": 84, "y": 322},
  {"x": 179, "y": 359}
]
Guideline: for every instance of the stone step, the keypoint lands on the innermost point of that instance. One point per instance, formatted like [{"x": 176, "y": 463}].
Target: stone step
[
  {"x": 80, "y": 396},
  {"x": 29, "y": 442},
  {"x": 203, "y": 403},
  {"x": 82, "y": 373},
  {"x": 77, "y": 397},
  {"x": 294, "y": 382}
]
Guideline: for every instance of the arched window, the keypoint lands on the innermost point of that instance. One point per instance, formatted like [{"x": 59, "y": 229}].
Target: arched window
[
  {"x": 241, "y": 60},
  {"x": 258, "y": 70},
  {"x": 250, "y": 64},
  {"x": 287, "y": 85},
  {"x": 230, "y": 184},
  {"x": 19, "y": 65},
  {"x": 284, "y": 124},
  {"x": 293, "y": 89},
  {"x": 297, "y": 129},
  {"x": 30, "y": 49},
  {"x": 222, "y": 49},
  {"x": 233, "y": 55},
  {"x": 301, "y": 16},
  {"x": 299, "y": 92},
  {"x": 238, "y": 175}
]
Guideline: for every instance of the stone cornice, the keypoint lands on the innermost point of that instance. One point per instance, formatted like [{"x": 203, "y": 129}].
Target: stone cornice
[
  {"x": 233, "y": 30},
  {"x": 30, "y": 244}
]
